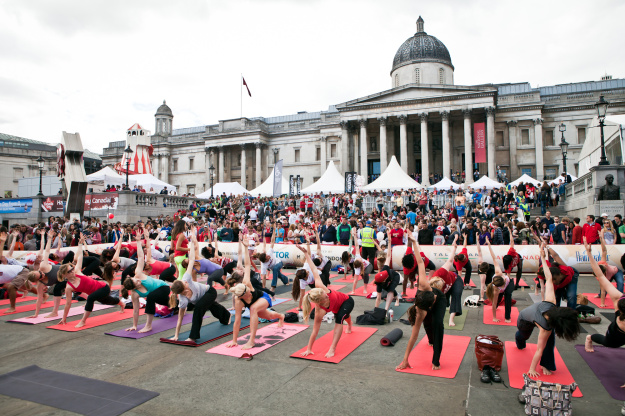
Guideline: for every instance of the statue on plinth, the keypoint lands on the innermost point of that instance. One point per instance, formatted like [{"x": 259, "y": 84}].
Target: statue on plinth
[{"x": 609, "y": 191}]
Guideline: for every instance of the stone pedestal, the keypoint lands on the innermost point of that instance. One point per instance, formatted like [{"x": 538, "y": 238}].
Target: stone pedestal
[{"x": 610, "y": 207}]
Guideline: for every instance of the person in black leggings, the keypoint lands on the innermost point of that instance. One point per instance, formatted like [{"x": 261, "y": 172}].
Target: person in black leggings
[
  {"x": 387, "y": 280},
  {"x": 500, "y": 288}
]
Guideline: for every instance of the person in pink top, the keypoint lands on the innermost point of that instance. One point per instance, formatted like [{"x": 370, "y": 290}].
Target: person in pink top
[
  {"x": 94, "y": 289},
  {"x": 609, "y": 271}
]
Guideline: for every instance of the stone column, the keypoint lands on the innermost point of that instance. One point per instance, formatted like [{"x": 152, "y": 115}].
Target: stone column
[
  {"x": 363, "y": 149},
  {"x": 345, "y": 146},
  {"x": 425, "y": 151},
  {"x": 490, "y": 139},
  {"x": 403, "y": 143},
  {"x": 446, "y": 145},
  {"x": 243, "y": 167},
  {"x": 512, "y": 141},
  {"x": 324, "y": 154},
  {"x": 383, "y": 155},
  {"x": 221, "y": 177},
  {"x": 208, "y": 160},
  {"x": 538, "y": 134},
  {"x": 390, "y": 140},
  {"x": 155, "y": 165},
  {"x": 410, "y": 150},
  {"x": 165, "y": 157},
  {"x": 468, "y": 148},
  {"x": 258, "y": 163}
]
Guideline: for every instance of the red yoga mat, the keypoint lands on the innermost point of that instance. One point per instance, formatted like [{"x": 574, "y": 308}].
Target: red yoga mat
[
  {"x": 597, "y": 301},
  {"x": 519, "y": 363},
  {"x": 347, "y": 279},
  {"x": 501, "y": 311},
  {"x": 18, "y": 300},
  {"x": 360, "y": 289},
  {"x": 32, "y": 307},
  {"x": 454, "y": 348},
  {"x": 98, "y": 320},
  {"x": 347, "y": 344},
  {"x": 522, "y": 283}
]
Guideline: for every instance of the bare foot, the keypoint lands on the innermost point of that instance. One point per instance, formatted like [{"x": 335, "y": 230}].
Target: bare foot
[
  {"x": 546, "y": 372},
  {"x": 364, "y": 292},
  {"x": 248, "y": 345},
  {"x": 281, "y": 321},
  {"x": 351, "y": 293},
  {"x": 190, "y": 340},
  {"x": 348, "y": 330},
  {"x": 80, "y": 324},
  {"x": 45, "y": 297},
  {"x": 330, "y": 354},
  {"x": 451, "y": 323},
  {"x": 10, "y": 310},
  {"x": 145, "y": 329},
  {"x": 588, "y": 345},
  {"x": 436, "y": 367},
  {"x": 122, "y": 308},
  {"x": 397, "y": 302},
  {"x": 52, "y": 315}
]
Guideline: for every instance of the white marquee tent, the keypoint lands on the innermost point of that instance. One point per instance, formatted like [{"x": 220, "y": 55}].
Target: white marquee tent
[
  {"x": 107, "y": 176},
  {"x": 266, "y": 188},
  {"x": 486, "y": 182},
  {"x": 445, "y": 183},
  {"x": 330, "y": 182},
  {"x": 393, "y": 178},
  {"x": 149, "y": 181},
  {"x": 560, "y": 179},
  {"x": 525, "y": 178},
  {"x": 229, "y": 188}
]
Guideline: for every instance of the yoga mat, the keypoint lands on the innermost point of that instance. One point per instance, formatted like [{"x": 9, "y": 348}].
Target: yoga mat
[
  {"x": 246, "y": 312},
  {"x": 519, "y": 363},
  {"x": 392, "y": 337},
  {"x": 398, "y": 311},
  {"x": 454, "y": 348},
  {"x": 208, "y": 333},
  {"x": 359, "y": 290},
  {"x": 608, "y": 364},
  {"x": 347, "y": 279},
  {"x": 32, "y": 307},
  {"x": 535, "y": 298},
  {"x": 82, "y": 395},
  {"x": 76, "y": 310},
  {"x": 98, "y": 320},
  {"x": 609, "y": 316},
  {"x": 458, "y": 320},
  {"x": 597, "y": 301},
  {"x": 347, "y": 344},
  {"x": 336, "y": 287},
  {"x": 488, "y": 316},
  {"x": 522, "y": 283},
  {"x": 158, "y": 325},
  {"x": 18, "y": 300},
  {"x": 266, "y": 337}
]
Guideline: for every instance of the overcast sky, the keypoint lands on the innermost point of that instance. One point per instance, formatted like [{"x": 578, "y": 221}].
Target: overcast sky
[{"x": 97, "y": 67}]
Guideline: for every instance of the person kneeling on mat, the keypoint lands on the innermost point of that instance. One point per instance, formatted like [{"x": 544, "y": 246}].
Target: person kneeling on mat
[
  {"x": 258, "y": 302},
  {"x": 499, "y": 289},
  {"x": 326, "y": 300},
  {"x": 428, "y": 310},
  {"x": 551, "y": 320}
]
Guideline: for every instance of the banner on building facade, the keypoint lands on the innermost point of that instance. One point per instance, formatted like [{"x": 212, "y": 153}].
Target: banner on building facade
[
  {"x": 12, "y": 206},
  {"x": 277, "y": 179},
  {"x": 291, "y": 185},
  {"x": 350, "y": 182},
  {"x": 298, "y": 182},
  {"x": 479, "y": 144}
]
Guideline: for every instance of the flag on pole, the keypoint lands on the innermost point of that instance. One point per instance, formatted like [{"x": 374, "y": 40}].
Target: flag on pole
[{"x": 248, "y": 88}]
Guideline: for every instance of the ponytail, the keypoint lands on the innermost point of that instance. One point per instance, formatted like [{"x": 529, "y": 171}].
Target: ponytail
[
  {"x": 63, "y": 270},
  {"x": 314, "y": 295},
  {"x": 126, "y": 287},
  {"x": 295, "y": 292},
  {"x": 176, "y": 288},
  {"x": 108, "y": 273},
  {"x": 306, "y": 307}
]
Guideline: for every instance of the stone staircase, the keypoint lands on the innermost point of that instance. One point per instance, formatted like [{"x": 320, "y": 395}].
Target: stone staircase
[{"x": 555, "y": 211}]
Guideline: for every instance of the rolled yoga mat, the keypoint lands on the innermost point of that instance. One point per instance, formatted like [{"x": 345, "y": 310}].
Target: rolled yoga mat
[{"x": 392, "y": 337}]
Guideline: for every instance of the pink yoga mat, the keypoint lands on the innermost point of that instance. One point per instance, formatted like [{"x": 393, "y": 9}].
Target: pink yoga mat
[
  {"x": 597, "y": 301},
  {"x": 347, "y": 279},
  {"x": 77, "y": 310},
  {"x": 266, "y": 337},
  {"x": 501, "y": 311},
  {"x": 32, "y": 307},
  {"x": 420, "y": 358},
  {"x": 347, "y": 344}
]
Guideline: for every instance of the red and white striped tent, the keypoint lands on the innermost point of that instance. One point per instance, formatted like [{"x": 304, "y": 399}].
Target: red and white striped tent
[{"x": 139, "y": 141}]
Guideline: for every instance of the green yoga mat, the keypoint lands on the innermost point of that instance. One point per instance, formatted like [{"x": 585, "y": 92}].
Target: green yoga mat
[
  {"x": 458, "y": 320},
  {"x": 398, "y": 311}
]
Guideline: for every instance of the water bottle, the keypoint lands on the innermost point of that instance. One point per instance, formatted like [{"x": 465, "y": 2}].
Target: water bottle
[
  {"x": 300, "y": 316},
  {"x": 390, "y": 315}
]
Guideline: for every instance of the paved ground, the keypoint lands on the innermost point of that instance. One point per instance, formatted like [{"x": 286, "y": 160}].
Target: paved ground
[{"x": 191, "y": 382}]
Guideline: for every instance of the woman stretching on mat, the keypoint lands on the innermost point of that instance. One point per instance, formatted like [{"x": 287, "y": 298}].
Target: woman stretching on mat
[
  {"x": 154, "y": 291},
  {"x": 610, "y": 272},
  {"x": 46, "y": 276},
  {"x": 238, "y": 272},
  {"x": 451, "y": 285},
  {"x": 485, "y": 270},
  {"x": 303, "y": 277},
  {"x": 268, "y": 260},
  {"x": 615, "y": 335},
  {"x": 512, "y": 259},
  {"x": 461, "y": 261},
  {"x": 257, "y": 301},
  {"x": 94, "y": 289},
  {"x": 181, "y": 246},
  {"x": 428, "y": 310},
  {"x": 386, "y": 279},
  {"x": 551, "y": 320},
  {"x": 201, "y": 296},
  {"x": 409, "y": 263},
  {"x": 117, "y": 263},
  {"x": 362, "y": 267},
  {"x": 326, "y": 300},
  {"x": 163, "y": 269},
  {"x": 499, "y": 289},
  {"x": 203, "y": 266}
]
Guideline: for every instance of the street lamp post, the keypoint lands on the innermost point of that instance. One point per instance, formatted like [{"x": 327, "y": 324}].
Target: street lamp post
[
  {"x": 212, "y": 174},
  {"x": 129, "y": 153},
  {"x": 602, "y": 108},
  {"x": 565, "y": 149},
  {"x": 40, "y": 163}
]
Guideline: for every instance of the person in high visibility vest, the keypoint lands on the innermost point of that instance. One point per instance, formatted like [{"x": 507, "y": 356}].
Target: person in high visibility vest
[
  {"x": 367, "y": 237},
  {"x": 525, "y": 207}
]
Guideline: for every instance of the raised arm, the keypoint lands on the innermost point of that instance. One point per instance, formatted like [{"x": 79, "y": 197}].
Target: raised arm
[
  {"x": 556, "y": 257},
  {"x": 450, "y": 260},
  {"x": 248, "y": 263},
  {"x": 313, "y": 269},
  {"x": 118, "y": 247},
  {"x": 424, "y": 282},
  {"x": 492, "y": 255},
  {"x": 318, "y": 243},
  {"x": 550, "y": 294},
  {"x": 604, "y": 249},
  {"x": 511, "y": 237},
  {"x": 80, "y": 253},
  {"x": 12, "y": 246},
  {"x": 140, "y": 260},
  {"x": 239, "y": 255},
  {"x": 605, "y": 284},
  {"x": 148, "y": 247}
]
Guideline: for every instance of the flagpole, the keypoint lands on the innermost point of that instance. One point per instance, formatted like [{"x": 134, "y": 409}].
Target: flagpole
[{"x": 241, "y": 82}]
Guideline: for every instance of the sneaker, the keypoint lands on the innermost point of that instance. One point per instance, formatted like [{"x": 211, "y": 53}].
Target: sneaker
[
  {"x": 494, "y": 375},
  {"x": 485, "y": 377}
]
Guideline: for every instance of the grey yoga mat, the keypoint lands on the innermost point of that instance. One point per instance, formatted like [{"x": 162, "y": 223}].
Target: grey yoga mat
[
  {"x": 392, "y": 337},
  {"x": 82, "y": 395}
]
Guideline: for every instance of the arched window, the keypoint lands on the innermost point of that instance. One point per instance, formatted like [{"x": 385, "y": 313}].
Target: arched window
[
  {"x": 441, "y": 76},
  {"x": 417, "y": 76},
  {"x": 396, "y": 80}
]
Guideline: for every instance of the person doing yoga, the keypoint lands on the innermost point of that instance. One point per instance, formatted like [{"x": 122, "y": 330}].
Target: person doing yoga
[
  {"x": 362, "y": 267},
  {"x": 238, "y": 272},
  {"x": 500, "y": 289},
  {"x": 610, "y": 272},
  {"x": 485, "y": 270},
  {"x": 512, "y": 259},
  {"x": 551, "y": 320},
  {"x": 201, "y": 296},
  {"x": 214, "y": 271},
  {"x": 142, "y": 286},
  {"x": 181, "y": 246},
  {"x": 409, "y": 263},
  {"x": 461, "y": 261},
  {"x": 428, "y": 310},
  {"x": 118, "y": 263},
  {"x": 94, "y": 289},
  {"x": 163, "y": 269},
  {"x": 326, "y": 300},
  {"x": 304, "y": 277},
  {"x": 386, "y": 279},
  {"x": 615, "y": 335},
  {"x": 258, "y": 302},
  {"x": 450, "y": 284},
  {"x": 14, "y": 277},
  {"x": 268, "y": 260},
  {"x": 46, "y": 276}
]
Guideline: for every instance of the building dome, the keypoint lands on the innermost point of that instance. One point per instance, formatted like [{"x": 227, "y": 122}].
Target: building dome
[
  {"x": 164, "y": 110},
  {"x": 421, "y": 48}
]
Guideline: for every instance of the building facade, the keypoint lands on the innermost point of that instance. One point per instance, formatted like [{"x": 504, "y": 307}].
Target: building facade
[{"x": 424, "y": 119}]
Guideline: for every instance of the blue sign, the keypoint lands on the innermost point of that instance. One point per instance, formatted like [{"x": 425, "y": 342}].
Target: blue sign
[{"x": 12, "y": 206}]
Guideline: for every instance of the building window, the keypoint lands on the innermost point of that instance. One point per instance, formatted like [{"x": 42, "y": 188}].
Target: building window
[
  {"x": 18, "y": 173},
  {"x": 373, "y": 144},
  {"x": 297, "y": 155},
  {"x": 526, "y": 171},
  {"x": 525, "y": 137},
  {"x": 333, "y": 150},
  {"x": 175, "y": 165},
  {"x": 190, "y": 189},
  {"x": 396, "y": 80},
  {"x": 441, "y": 76},
  {"x": 190, "y": 163},
  {"x": 549, "y": 138},
  {"x": 550, "y": 173},
  {"x": 318, "y": 154},
  {"x": 499, "y": 139},
  {"x": 581, "y": 135},
  {"x": 417, "y": 76}
]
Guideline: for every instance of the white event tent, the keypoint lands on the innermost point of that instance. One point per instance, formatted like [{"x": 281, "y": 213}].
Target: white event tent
[
  {"x": 330, "y": 182},
  {"x": 229, "y": 188},
  {"x": 393, "y": 178},
  {"x": 445, "y": 183},
  {"x": 266, "y": 188},
  {"x": 486, "y": 182},
  {"x": 525, "y": 178},
  {"x": 149, "y": 181},
  {"x": 107, "y": 176},
  {"x": 560, "y": 179}
]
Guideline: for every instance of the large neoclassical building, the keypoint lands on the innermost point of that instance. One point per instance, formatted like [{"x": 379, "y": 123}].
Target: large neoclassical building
[{"x": 424, "y": 120}]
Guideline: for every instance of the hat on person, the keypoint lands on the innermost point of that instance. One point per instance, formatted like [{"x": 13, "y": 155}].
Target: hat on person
[
  {"x": 381, "y": 276},
  {"x": 368, "y": 222},
  {"x": 440, "y": 229},
  {"x": 604, "y": 215}
]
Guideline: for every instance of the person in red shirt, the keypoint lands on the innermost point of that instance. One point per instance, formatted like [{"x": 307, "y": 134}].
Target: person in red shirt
[
  {"x": 461, "y": 261},
  {"x": 511, "y": 260},
  {"x": 450, "y": 284},
  {"x": 397, "y": 235},
  {"x": 409, "y": 264},
  {"x": 564, "y": 279},
  {"x": 591, "y": 230},
  {"x": 577, "y": 232}
]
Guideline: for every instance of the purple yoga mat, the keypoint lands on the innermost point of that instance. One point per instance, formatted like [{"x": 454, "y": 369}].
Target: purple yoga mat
[
  {"x": 158, "y": 325},
  {"x": 608, "y": 364}
]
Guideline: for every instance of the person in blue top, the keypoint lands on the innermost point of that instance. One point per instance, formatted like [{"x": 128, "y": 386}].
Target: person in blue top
[
  {"x": 412, "y": 217},
  {"x": 477, "y": 197},
  {"x": 154, "y": 291},
  {"x": 460, "y": 209}
]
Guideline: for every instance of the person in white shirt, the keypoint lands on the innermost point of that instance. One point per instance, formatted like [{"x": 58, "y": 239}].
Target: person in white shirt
[
  {"x": 362, "y": 267},
  {"x": 268, "y": 261},
  {"x": 253, "y": 214}
]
